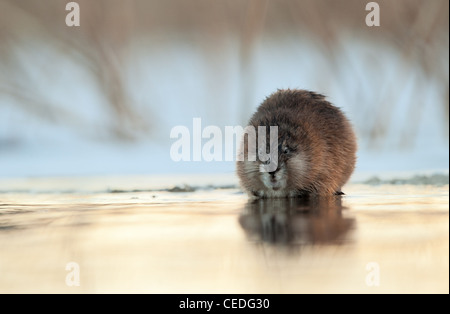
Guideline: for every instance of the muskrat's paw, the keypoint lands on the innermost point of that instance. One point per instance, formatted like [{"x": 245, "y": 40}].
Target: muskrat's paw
[{"x": 256, "y": 194}]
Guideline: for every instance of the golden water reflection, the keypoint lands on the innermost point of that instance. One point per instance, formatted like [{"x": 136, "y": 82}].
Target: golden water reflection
[{"x": 215, "y": 241}]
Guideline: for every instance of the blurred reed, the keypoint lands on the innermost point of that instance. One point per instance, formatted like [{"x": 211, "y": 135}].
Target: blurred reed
[{"x": 416, "y": 29}]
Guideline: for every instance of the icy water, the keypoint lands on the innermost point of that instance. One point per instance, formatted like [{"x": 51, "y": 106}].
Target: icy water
[{"x": 100, "y": 235}]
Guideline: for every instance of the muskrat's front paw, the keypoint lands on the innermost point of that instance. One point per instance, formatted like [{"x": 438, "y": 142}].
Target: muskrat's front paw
[{"x": 257, "y": 194}]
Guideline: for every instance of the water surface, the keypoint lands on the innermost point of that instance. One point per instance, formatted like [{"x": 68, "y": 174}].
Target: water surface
[{"x": 375, "y": 239}]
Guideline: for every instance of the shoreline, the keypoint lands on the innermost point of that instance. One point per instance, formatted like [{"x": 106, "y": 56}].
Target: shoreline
[{"x": 188, "y": 182}]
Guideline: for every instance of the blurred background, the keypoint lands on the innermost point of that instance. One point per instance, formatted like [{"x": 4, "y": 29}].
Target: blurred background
[{"x": 101, "y": 98}]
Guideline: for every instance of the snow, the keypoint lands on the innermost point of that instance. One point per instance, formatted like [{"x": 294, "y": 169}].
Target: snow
[{"x": 173, "y": 83}]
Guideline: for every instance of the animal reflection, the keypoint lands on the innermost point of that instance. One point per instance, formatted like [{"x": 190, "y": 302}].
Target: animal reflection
[{"x": 296, "y": 221}]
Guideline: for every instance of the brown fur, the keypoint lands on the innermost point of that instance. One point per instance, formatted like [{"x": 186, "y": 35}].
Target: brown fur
[{"x": 321, "y": 141}]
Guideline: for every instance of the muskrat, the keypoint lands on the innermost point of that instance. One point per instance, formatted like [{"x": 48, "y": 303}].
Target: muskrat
[{"x": 316, "y": 147}]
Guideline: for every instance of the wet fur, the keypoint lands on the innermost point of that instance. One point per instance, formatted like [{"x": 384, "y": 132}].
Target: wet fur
[{"x": 322, "y": 140}]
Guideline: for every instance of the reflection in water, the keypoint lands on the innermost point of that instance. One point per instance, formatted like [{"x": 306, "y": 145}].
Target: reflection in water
[
  {"x": 192, "y": 242},
  {"x": 296, "y": 221}
]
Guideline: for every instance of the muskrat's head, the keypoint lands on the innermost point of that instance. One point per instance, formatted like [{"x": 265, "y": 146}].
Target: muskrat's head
[
  {"x": 283, "y": 165},
  {"x": 278, "y": 163}
]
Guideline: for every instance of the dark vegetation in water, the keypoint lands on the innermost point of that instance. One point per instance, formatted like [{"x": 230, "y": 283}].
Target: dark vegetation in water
[
  {"x": 435, "y": 179},
  {"x": 178, "y": 189}
]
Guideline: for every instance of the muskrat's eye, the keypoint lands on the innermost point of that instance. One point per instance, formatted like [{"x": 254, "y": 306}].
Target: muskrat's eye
[{"x": 286, "y": 150}]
